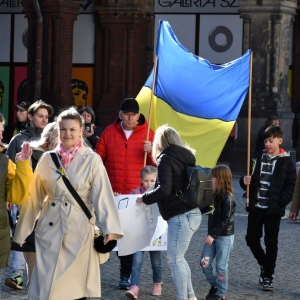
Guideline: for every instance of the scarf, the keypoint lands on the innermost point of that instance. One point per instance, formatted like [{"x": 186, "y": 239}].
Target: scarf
[{"x": 67, "y": 155}]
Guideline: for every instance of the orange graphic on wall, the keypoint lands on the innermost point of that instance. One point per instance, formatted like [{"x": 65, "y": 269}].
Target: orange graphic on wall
[{"x": 82, "y": 86}]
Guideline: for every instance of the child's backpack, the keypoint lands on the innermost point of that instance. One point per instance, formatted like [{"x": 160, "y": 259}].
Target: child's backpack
[{"x": 198, "y": 187}]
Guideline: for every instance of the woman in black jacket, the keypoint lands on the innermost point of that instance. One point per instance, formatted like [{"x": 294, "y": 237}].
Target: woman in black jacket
[
  {"x": 91, "y": 132},
  {"x": 172, "y": 158},
  {"x": 219, "y": 240}
]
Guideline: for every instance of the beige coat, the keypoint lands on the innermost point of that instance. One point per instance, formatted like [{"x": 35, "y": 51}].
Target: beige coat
[{"x": 67, "y": 266}]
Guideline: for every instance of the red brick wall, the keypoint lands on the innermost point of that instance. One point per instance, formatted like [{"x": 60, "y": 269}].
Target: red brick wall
[{"x": 123, "y": 60}]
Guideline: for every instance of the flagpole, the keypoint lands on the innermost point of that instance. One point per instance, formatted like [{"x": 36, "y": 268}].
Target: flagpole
[
  {"x": 249, "y": 128},
  {"x": 150, "y": 106}
]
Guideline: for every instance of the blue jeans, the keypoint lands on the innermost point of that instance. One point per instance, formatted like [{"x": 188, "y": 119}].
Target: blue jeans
[
  {"x": 180, "y": 231},
  {"x": 219, "y": 249},
  {"x": 137, "y": 263}
]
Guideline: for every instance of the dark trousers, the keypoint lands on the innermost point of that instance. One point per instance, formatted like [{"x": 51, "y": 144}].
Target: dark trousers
[
  {"x": 257, "y": 220},
  {"x": 126, "y": 264}
]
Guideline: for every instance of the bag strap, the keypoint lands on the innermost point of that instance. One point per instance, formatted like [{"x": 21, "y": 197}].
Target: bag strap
[{"x": 71, "y": 188}]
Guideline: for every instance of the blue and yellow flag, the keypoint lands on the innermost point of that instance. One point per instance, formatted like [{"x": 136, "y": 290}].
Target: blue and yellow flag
[{"x": 199, "y": 99}]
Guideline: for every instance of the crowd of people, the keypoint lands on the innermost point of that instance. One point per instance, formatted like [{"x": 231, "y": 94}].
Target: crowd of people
[{"x": 53, "y": 226}]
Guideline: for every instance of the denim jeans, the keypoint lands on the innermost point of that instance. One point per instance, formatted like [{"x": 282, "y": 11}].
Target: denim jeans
[
  {"x": 137, "y": 263},
  {"x": 1, "y": 272},
  {"x": 180, "y": 231},
  {"x": 18, "y": 260},
  {"x": 219, "y": 249}
]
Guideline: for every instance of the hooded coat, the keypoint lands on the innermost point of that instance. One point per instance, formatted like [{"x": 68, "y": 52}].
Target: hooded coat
[
  {"x": 171, "y": 177},
  {"x": 281, "y": 187},
  {"x": 67, "y": 265}
]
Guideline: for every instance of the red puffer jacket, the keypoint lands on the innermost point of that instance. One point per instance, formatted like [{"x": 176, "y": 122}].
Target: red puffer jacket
[{"x": 124, "y": 158}]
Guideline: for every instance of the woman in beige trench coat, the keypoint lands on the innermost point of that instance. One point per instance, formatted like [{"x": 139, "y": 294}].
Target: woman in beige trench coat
[{"x": 67, "y": 266}]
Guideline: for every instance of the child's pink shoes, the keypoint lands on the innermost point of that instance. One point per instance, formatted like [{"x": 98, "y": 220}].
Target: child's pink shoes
[
  {"x": 157, "y": 287},
  {"x": 133, "y": 292}
]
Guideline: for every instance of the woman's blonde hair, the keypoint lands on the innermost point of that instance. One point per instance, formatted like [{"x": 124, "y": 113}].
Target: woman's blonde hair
[
  {"x": 70, "y": 114},
  {"x": 49, "y": 138},
  {"x": 224, "y": 179},
  {"x": 164, "y": 137}
]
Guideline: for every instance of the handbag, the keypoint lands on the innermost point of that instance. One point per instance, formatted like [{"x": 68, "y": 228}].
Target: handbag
[
  {"x": 28, "y": 246},
  {"x": 99, "y": 246}
]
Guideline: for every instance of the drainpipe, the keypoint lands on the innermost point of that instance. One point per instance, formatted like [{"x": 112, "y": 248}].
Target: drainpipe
[{"x": 39, "y": 50}]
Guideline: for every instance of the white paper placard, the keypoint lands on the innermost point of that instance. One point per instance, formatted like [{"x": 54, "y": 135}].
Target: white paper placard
[{"x": 144, "y": 228}]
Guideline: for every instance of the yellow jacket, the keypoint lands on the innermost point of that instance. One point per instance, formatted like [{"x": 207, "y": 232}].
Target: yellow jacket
[{"x": 18, "y": 179}]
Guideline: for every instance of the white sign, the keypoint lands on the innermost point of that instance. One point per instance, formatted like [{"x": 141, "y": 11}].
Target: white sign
[
  {"x": 5, "y": 38},
  {"x": 20, "y": 38},
  {"x": 221, "y": 38},
  {"x": 196, "y": 6},
  {"x": 15, "y": 6},
  {"x": 84, "y": 39},
  {"x": 185, "y": 34},
  {"x": 144, "y": 229}
]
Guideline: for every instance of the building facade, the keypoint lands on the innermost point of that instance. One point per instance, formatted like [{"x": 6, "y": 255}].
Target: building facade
[{"x": 98, "y": 52}]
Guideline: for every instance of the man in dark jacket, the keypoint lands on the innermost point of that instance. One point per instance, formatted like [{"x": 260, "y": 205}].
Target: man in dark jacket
[
  {"x": 22, "y": 116},
  {"x": 38, "y": 115},
  {"x": 271, "y": 189}
]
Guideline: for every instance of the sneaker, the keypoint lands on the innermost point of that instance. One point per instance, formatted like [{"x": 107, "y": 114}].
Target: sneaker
[
  {"x": 124, "y": 283},
  {"x": 212, "y": 290},
  {"x": 157, "y": 288},
  {"x": 15, "y": 281},
  {"x": 267, "y": 284},
  {"x": 261, "y": 276},
  {"x": 133, "y": 292}
]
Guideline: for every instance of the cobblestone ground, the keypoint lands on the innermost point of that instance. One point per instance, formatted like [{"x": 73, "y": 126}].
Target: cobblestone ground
[{"x": 243, "y": 269}]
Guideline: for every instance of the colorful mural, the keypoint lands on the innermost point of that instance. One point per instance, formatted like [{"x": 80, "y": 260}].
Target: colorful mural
[{"x": 82, "y": 86}]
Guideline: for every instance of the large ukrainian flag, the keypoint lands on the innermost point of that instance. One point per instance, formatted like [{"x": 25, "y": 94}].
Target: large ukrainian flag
[{"x": 199, "y": 99}]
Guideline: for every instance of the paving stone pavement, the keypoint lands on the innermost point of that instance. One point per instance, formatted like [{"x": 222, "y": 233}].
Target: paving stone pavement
[{"x": 243, "y": 269}]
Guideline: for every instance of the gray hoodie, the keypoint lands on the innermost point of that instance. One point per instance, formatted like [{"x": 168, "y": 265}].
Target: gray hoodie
[{"x": 15, "y": 145}]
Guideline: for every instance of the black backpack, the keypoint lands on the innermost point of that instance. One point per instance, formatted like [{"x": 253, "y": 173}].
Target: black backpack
[{"x": 197, "y": 190}]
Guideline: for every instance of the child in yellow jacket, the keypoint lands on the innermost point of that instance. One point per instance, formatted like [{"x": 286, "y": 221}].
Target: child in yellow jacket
[{"x": 14, "y": 183}]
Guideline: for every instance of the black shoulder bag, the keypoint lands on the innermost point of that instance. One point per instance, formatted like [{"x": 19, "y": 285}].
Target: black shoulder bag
[{"x": 98, "y": 241}]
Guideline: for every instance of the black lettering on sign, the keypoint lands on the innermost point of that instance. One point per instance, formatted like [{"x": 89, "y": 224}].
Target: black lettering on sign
[
  {"x": 10, "y": 3},
  {"x": 226, "y": 2},
  {"x": 164, "y": 3},
  {"x": 234, "y": 2},
  {"x": 229, "y": 3},
  {"x": 14, "y": 3},
  {"x": 4, "y": 2},
  {"x": 176, "y": 1},
  {"x": 209, "y": 2},
  {"x": 196, "y": 3},
  {"x": 187, "y": 3}
]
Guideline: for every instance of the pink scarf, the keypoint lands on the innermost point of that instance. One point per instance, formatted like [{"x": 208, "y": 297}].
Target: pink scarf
[{"x": 67, "y": 155}]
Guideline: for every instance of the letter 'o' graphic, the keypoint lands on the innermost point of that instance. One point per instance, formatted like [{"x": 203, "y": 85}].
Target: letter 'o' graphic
[{"x": 212, "y": 38}]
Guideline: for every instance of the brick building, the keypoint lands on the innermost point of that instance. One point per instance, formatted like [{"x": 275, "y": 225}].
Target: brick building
[{"x": 109, "y": 44}]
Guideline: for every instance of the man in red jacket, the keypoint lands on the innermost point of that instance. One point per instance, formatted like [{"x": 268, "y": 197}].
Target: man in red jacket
[{"x": 122, "y": 147}]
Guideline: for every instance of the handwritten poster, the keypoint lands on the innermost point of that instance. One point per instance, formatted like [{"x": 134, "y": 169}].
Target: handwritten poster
[{"x": 144, "y": 228}]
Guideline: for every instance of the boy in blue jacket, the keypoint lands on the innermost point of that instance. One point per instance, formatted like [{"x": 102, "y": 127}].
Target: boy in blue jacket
[{"x": 271, "y": 188}]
